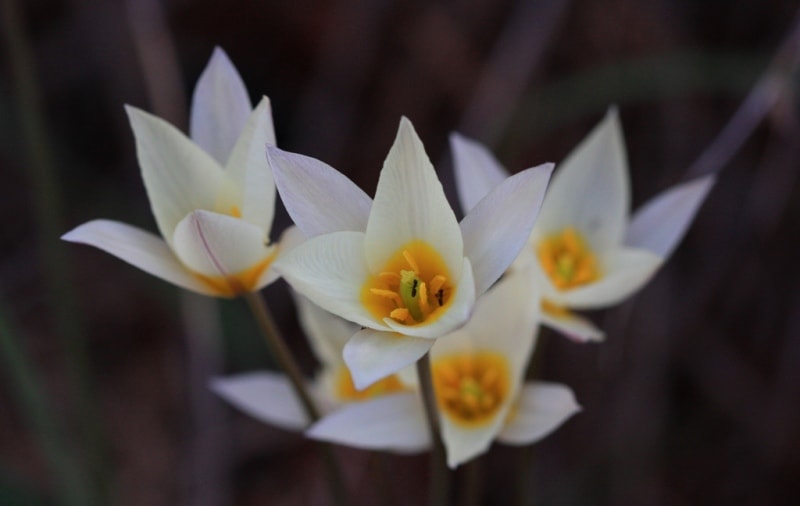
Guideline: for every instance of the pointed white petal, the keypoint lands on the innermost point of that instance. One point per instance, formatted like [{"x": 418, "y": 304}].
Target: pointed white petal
[
  {"x": 625, "y": 272},
  {"x": 410, "y": 205},
  {"x": 319, "y": 199},
  {"x": 506, "y": 320},
  {"x": 541, "y": 409},
  {"x": 573, "y": 327},
  {"x": 372, "y": 355},
  {"x": 220, "y": 107},
  {"x": 267, "y": 397},
  {"x": 392, "y": 422},
  {"x": 326, "y": 332},
  {"x": 660, "y": 224},
  {"x": 476, "y": 170},
  {"x": 464, "y": 443},
  {"x": 497, "y": 229},
  {"x": 217, "y": 245},
  {"x": 139, "y": 248},
  {"x": 456, "y": 315},
  {"x": 290, "y": 238},
  {"x": 249, "y": 170},
  {"x": 331, "y": 271},
  {"x": 178, "y": 175},
  {"x": 590, "y": 190}
]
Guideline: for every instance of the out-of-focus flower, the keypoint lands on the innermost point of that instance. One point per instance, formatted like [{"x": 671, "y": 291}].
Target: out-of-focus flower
[
  {"x": 478, "y": 374},
  {"x": 213, "y": 197},
  {"x": 401, "y": 267},
  {"x": 586, "y": 251},
  {"x": 269, "y": 397}
]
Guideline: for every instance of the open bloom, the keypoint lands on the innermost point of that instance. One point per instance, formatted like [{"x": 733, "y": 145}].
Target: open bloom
[
  {"x": 478, "y": 374},
  {"x": 213, "y": 197},
  {"x": 586, "y": 251},
  {"x": 402, "y": 266}
]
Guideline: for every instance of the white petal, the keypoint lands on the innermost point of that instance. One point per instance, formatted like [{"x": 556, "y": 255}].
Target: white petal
[
  {"x": 266, "y": 396},
  {"x": 326, "y": 332},
  {"x": 319, "y": 199},
  {"x": 541, "y": 409},
  {"x": 331, "y": 271},
  {"x": 410, "y": 205},
  {"x": 506, "y": 320},
  {"x": 454, "y": 317},
  {"x": 625, "y": 272},
  {"x": 139, "y": 248},
  {"x": 497, "y": 229},
  {"x": 476, "y": 170},
  {"x": 178, "y": 175},
  {"x": 573, "y": 326},
  {"x": 249, "y": 170},
  {"x": 372, "y": 355},
  {"x": 220, "y": 107},
  {"x": 590, "y": 190},
  {"x": 464, "y": 443},
  {"x": 392, "y": 422},
  {"x": 217, "y": 245},
  {"x": 660, "y": 224}
]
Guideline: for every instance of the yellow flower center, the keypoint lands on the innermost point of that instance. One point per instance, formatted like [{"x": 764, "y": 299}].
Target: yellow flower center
[
  {"x": 412, "y": 288},
  {"x": 567, "y": 259},
  {"x": 235, "y": 212},
  {"x": 239, "y": 283},
  {"x": 346, "y": 390},
  {"x": 470, "y": 388},
  {"x": 554, "y": 309}
]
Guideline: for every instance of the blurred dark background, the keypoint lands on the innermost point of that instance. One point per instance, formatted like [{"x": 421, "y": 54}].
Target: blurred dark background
[{"x": 694, "y": 398}]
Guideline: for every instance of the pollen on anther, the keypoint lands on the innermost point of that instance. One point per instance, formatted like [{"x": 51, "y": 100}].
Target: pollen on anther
[
  {"x": 387, "y": 294},
  {"x": 411, "y": 261},
  {"x": 390, "y": 278},
  {"x": 400, "y": 314},
  {"x": 437, "y": 283}
]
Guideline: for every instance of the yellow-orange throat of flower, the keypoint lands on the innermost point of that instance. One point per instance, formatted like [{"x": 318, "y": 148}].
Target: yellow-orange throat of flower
[
  {"x": 412, "y": 288},
  {"x": 236, "y": 284},
  {"x": 471, "y": 387},
  {"x": 345, "y": 390},
  {"x": 567, "y": 259}
]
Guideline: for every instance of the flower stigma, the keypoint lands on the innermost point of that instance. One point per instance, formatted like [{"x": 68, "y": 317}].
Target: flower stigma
[
  {"x": 346, "y": 390},
  {"x": 471, "y": 387},
  {"x": 567, "y": 259},
  {"x": 412, "y": 288}
]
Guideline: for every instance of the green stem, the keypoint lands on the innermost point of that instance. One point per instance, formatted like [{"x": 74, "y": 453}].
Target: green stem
[
  {"x": 280, "y": 351},
  {"x": 29, "y": 393},
  {"x": 472, "y": 484},
  {"x": 40, "y": 167},
  {"x": 440, "y": 474}
]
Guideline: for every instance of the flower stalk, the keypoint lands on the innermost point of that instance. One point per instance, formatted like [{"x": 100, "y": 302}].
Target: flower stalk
[
  {"x": 440, "y": 474},
  {"x": 278, "y": 348}
]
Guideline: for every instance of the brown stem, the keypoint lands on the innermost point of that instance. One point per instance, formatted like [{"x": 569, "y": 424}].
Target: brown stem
[{"x": 440, "y": 474}]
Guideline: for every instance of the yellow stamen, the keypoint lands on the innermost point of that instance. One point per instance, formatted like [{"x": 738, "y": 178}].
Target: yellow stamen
[
  {"x": 423, "y": 291},
  {"x": 567, "y": 259},
  {"x": 387, "y": 294},
  {"x": 235, "y": 212},
  {"x": 400, "y": 314},
  {"x": 411, "y": 262},
  {"x": 470, "y": 388}
]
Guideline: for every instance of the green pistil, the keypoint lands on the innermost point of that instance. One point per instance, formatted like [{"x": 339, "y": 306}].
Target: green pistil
[{"x": 409, "y": 292}]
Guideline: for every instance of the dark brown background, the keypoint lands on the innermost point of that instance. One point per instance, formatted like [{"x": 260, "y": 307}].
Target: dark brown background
[{"x": 692, "y": 399}]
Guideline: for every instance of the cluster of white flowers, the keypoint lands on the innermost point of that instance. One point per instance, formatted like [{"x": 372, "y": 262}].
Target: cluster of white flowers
[{"x": 381, "y": 282}]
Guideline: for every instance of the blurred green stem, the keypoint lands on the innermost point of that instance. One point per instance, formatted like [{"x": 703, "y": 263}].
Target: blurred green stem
[
  {"x": 47, "y": 206},
  {"x": 277, "y": 345},
  {"x": 71, "y": 490},
  {"x": 440, "y": 474}
]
